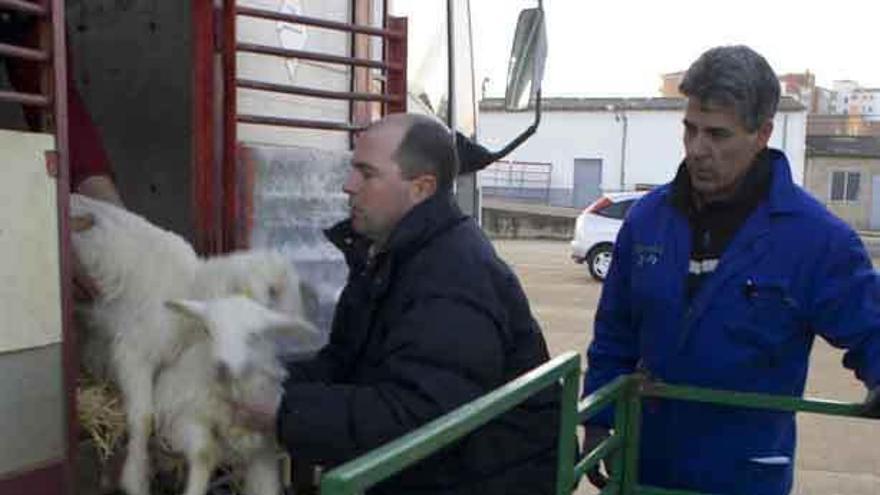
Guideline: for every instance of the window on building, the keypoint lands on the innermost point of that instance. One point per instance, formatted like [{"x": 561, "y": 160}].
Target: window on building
[{"x": 845, "y": 186}]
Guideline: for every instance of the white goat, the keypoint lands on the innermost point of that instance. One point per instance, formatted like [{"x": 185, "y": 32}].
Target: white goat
[
  {"x": 137, "y": 267},
  {"x": 193, "y": 394}
]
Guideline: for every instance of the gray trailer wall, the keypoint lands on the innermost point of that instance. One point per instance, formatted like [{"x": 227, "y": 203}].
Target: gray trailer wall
[
  {"x": 32, "y": 429},
  {"x": 132, "y": 61}
]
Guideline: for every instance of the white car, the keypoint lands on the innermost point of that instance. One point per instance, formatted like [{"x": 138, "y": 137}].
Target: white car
[{"x": 596, "y": 229}]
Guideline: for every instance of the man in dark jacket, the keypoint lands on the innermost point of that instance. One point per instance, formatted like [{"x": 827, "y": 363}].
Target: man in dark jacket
[{"x": 430, "y": 319}]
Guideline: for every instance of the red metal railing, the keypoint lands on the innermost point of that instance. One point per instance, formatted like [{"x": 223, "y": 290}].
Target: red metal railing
[
  {"x": 36, "y": 93},
  {"x": 391, "y": 98},
  {"x": 394, "y": 68}
]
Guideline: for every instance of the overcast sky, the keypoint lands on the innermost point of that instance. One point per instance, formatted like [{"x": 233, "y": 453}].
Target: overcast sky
[{"x": 620, "y": 47}]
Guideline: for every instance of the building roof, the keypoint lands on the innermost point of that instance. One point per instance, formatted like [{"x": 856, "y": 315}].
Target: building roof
[
  {"x": 578, "y": 104},
  {"x": 844, "y": 146}
]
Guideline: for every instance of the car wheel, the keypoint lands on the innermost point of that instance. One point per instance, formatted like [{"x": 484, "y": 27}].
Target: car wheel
[{"x": 599, "y": 261}]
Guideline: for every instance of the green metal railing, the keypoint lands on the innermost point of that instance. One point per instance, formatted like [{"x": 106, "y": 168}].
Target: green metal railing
[
  {"x": 627, "y": 392},
  {"x": 377, "y": 465},
  {"x": 621, "y": 446}
]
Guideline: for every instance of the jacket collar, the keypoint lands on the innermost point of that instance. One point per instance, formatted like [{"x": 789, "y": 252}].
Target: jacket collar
[
  {"x": 417, "y": 227},
  {"x": 783, "y": 191},
  {"x": 781, "y": 197}
]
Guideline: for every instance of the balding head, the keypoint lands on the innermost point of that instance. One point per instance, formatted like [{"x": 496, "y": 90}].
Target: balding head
[{"x": 422, "y": 145}]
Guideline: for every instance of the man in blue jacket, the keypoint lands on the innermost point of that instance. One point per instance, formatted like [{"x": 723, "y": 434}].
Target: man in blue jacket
[
  {"x": 721, "y": 279},
  {"x": 430, "y": 319}
]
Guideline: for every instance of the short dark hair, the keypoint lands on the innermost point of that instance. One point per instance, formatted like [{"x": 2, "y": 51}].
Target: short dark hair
[
  {"x": 427, "y": 147},
  {"x": 738, "y": 77}
]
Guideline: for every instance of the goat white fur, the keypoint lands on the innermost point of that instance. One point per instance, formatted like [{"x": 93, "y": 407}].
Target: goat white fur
[
  {"x": 193, "y": 394},
  {"x": 138, "y": 267}
]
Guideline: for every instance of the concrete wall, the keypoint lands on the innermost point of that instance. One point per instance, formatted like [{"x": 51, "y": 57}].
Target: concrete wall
[
  {"x": 501, "y": 223},
  {"x": 653, "y": 143},
  {"x": 818, "y": 182}
]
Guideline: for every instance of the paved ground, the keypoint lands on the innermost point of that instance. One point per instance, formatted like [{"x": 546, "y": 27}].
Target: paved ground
[{"x": 835, "y": 456}]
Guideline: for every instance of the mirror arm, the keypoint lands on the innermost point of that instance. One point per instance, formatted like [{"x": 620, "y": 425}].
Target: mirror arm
[{"x": 524, "y": 135}]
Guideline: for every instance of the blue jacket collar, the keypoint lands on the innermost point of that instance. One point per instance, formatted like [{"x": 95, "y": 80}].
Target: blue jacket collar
[{"x": 781, "y": 198}]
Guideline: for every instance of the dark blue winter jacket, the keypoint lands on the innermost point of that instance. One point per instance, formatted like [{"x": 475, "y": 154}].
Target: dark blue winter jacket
[
  {"x": 793, "y": 270},
  {"x": 432, "y": 321}
]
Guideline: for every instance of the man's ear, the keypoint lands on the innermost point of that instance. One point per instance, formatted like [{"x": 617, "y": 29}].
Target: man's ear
[
  {"x": 764, "y": 132},
  {"x": 423, "y": 187}
]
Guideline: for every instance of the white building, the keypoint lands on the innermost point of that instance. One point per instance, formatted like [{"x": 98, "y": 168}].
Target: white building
[
  {"x": 852, "y": 99},
  {"x": 592, "y": 145}
]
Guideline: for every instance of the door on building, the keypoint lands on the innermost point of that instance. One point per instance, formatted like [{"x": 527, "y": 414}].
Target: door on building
[
  {"x": 587, "y": 181},
  {"x": 875, "y": 203}
]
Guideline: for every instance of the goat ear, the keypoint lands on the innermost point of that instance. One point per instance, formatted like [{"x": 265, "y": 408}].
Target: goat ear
[{"x": 190, "y": 308}]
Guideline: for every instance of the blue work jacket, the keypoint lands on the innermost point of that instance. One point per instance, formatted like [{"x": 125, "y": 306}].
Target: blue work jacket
[{"x": 793, "y": 270}]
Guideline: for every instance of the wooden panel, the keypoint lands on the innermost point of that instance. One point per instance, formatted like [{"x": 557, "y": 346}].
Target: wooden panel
[{"x": 30, "y": 289}]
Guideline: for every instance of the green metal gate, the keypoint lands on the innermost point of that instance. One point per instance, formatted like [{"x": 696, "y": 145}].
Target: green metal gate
[{"x": 625, "y": 393}]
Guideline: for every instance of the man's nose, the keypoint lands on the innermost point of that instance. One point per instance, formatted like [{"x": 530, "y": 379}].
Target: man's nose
[
  {"x": 699, "y": 145},
  {"x": 351, "y": 182}
]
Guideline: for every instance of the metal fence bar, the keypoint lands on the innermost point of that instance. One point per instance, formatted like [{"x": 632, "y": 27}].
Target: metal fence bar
[
  {"x": 607, "y": 447},
  {"x": 752, "y": 400},
  {"x": 304, "y": 123},
  {"x": 565, "y": 477},
  {"x": 24, "y": 7},
  {"x": 593, "y": 403},
  {"x": 621, "y": 425},
  {"x": 312, "y": 92},
  {"x": 630, "y": 455},
  {"x": 628, "y": 393},
  {"x": 24, "y": 53},
  {"x": 29, "y": 99},
  {"x": 312, "y": 21},
  {"x": 317, "y": 57},
  {"x": 385, "y": 461}
]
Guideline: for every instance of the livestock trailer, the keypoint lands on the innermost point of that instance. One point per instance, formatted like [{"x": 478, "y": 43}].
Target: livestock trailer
[{"x": 228, "y": 122}]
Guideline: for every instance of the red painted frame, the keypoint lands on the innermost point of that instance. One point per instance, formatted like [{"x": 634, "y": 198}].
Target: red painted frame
[
  {"x": 55, "y": 476},
  {"x": 205, "y": 155}
]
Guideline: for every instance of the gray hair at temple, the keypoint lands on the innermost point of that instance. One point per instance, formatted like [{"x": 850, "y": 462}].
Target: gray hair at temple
[
  {"x": 735, "y": 77},
  {"x": 427, "y": 147}
]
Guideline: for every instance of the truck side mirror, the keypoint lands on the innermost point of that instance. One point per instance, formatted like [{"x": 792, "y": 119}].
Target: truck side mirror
[
  {"x": 524, "y": 75},
  {"x": 527, "y": 57}
]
